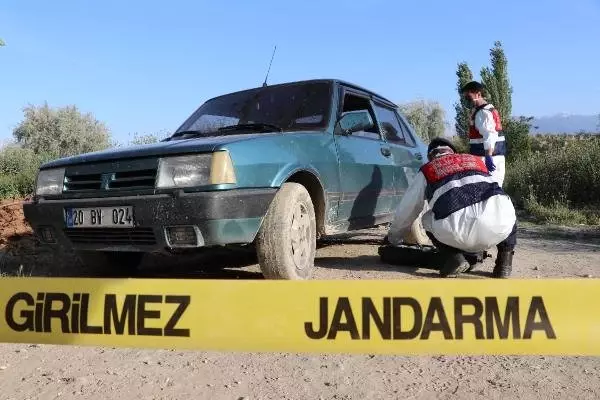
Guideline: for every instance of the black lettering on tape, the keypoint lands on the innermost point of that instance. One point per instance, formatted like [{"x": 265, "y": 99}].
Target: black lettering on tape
[
  {"x": 75, "y": 313},
  {"x": 143, "y": 314},
  {"x": 39, "y": 313},
  {"x": 113, "y": 318},
  {"x": 62, "y": 313},
  {"x": 537, "y": 307},
  {"x": 24, "y": 312},
  {"x": 27, "y": 315},
  {"x": 343, "y": 309},
  {"x": 183, "y": 303},
  {"x": 383, "y": 324},
  {"x": 323, "y": 321},
  {"x": 83, "y": 326},
  {"x": 436, "y": 308},
  {"x": 511, "y": 317},
  {"x": 460, "y": 318},
  {"x": 417, "y": 312}
]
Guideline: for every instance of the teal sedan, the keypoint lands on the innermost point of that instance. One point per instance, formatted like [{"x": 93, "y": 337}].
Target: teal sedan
[{"x": 277, "y": 167}]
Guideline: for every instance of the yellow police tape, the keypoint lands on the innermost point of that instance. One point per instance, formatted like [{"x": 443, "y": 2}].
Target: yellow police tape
[{"x": 482, "y": 316}]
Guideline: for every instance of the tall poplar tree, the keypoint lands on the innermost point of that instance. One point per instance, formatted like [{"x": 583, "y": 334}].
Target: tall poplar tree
[
  {"x": 461, "y": 125},
  {"x": 495, "y": 79}
]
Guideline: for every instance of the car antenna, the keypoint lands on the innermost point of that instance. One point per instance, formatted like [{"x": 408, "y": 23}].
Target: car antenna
[{"x": 269, "y": 70}]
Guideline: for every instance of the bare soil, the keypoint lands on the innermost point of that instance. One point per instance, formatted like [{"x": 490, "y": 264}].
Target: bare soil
[{"x": 50, "y": 372}]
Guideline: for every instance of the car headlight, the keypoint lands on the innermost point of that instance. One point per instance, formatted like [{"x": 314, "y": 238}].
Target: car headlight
[
  {"x": 50, "y": 182},
  {"x": 195, "y": 170}
]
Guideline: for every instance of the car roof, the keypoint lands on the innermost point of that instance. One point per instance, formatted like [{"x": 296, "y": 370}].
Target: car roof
[{"x": 325, "y": 80}]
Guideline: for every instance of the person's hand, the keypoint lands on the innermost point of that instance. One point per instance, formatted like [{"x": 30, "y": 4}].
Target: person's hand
[
  {"x": 489, "y": 163},
  {"x": 386, "y": 241}
]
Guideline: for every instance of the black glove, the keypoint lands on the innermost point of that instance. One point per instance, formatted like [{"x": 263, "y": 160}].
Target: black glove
[{"x": 489, "y": 163}]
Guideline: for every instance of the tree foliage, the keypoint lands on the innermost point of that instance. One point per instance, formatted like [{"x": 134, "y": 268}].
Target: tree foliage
[
  {"x": 498, "y": 91},
  {"x": 144, "y": 139},
  {"x": 148, "y": 138},
  {"x": 2, "y": 43},
  {"x": 426, "y": 117},
  {"x": 495, "y": 79},
  {"x": 60, "y": 132},
  {"x": 461, "y": 125},
  {"x": 518, "y": 140}
]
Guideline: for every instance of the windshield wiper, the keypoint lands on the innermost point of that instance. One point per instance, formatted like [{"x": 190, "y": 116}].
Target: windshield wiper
[
  {"x": 255, "y": 127},
  {"x": 181, "y": 133}
]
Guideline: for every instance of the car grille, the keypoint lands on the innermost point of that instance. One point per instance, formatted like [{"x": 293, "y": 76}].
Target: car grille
[
  {"x": 143, "y": 179},
  {"x": 83, "y": 182},
  {"x": 108, "y": 236},
  {"x": 138, "y": 175}
]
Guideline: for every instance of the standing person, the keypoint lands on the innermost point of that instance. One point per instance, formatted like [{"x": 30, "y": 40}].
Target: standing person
[
  {"x": 468, "y": 210},
  {"x": 486, "y": 138}
]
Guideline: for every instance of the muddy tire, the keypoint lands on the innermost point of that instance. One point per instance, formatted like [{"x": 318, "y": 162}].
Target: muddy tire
[
  {"x": 286, "y": 241},
  {"x": 417, "y": 234},
  {"x": 112, "y": 263}
]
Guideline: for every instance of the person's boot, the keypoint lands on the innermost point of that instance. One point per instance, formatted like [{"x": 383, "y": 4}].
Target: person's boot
[
  {"x": 476, "y": 260},
  {"x": 503, "y": 267},
  {"x": 454, "y": 264}
]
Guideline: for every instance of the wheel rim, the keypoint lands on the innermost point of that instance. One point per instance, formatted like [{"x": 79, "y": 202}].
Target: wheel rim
[{"x": 300, "y": 236}]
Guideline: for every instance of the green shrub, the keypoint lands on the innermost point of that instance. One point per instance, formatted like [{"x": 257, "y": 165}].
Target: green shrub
[
  {"x": 8, "y": 187},
  {"x": 559, "y": 176},
  {"x": 18, "y": 170},
  {"x": 560, "y": 213}
]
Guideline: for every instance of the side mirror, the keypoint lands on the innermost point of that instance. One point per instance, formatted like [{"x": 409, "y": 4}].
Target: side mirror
[{"x": 354, "y": 121}]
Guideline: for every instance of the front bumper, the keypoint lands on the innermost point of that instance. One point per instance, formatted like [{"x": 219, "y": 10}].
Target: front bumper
[{"x": 221, "y": 217}]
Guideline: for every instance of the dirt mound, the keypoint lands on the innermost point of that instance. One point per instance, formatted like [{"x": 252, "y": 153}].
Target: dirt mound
[{"x": 12, "y": 222}]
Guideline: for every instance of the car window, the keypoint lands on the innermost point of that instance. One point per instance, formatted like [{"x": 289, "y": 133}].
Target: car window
[
  {"x": 291, "y": 107},
  {"x": 390, "y": 125},
  {"x": 408, "y": 132},
  {"x": 353, "y": 102}
]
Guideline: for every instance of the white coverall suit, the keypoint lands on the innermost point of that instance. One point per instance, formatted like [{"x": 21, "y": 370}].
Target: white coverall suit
[{"x": 467, "y": 210}]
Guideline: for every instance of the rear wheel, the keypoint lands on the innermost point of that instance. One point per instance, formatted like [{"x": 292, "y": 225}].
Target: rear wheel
[
  {"x": 286, "y": 241},
  {"x": 113, "y": 263}
]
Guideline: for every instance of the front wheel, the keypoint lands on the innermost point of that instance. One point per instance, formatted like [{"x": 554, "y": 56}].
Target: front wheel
[{"x": 286, "y": 242}]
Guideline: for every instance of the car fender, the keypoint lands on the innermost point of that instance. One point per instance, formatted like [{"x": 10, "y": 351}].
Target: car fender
[{"x": 290, "y": 169}]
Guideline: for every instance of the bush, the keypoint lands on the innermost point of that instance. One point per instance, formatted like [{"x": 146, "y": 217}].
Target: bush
[
  {"x": 18, "y": 170},
  {"x": 560, "y": 213},
  {"x": 518, "y": 140},
  {"x": 61, "y": 131},
  {"x": 426, "y": 117},
  {"x": 564, "y": 176}
]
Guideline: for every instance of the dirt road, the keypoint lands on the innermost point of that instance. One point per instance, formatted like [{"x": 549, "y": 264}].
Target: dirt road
[{"x": 50, "y": 372}]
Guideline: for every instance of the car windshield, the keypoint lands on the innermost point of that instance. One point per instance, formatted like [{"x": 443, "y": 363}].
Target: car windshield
[{"x": 266, "y": 109}]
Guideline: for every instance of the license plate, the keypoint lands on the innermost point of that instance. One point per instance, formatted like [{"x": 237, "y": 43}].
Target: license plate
[{"x": 100, "y": 217}]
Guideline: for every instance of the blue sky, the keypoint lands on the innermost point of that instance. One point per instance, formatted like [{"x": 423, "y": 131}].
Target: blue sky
[{"x": 143, "y": 66}]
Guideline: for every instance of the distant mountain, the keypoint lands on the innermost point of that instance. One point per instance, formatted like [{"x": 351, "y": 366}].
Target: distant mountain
[{"x": 565, "y": 123}]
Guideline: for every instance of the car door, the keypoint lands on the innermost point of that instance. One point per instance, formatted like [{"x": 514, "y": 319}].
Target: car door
[
  {"x": 406, "y": 156},
  {"x": 366, "y": 168}
]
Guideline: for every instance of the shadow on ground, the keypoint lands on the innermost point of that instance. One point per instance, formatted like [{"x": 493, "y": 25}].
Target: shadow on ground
[
  {"x": 23, "y": 255},
  {"x": 559, "y": 245},
  {"x": 372, "y": 263}
]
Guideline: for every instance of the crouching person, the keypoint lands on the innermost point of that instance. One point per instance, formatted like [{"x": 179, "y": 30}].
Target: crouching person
[{"x": 468, "y": 211}]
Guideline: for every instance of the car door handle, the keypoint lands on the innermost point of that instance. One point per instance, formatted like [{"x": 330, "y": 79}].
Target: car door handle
[
  {"x": 386, "y": 151},
  {"x": 419, "y": 156}
]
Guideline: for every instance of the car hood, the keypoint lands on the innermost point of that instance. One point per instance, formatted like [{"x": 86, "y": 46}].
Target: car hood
[{"x": 182, "y": 146}]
